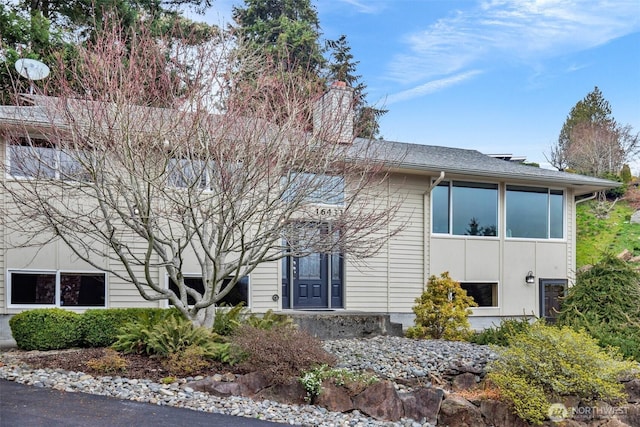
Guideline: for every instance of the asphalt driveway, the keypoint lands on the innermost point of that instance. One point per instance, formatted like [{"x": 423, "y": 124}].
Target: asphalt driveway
[{"x": 22, "y": 405}]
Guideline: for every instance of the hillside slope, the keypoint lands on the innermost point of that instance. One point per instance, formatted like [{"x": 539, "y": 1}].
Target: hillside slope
[{"x": 612, "y": 232}]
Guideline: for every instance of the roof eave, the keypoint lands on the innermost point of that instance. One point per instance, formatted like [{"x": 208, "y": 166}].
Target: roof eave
[{"x": 579, "y": 186}]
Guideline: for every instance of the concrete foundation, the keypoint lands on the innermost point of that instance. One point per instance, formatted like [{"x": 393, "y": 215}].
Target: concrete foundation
[{"x": 337, "y": 325}]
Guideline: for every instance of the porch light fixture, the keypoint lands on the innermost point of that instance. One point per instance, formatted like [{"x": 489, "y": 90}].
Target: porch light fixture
[{"x": 530, "y": 279}]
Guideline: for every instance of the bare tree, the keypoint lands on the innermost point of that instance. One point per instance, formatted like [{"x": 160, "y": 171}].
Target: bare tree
[
  {"x": 591, "y": 142},
  {"x": 601, "y": 149},
  {"x": 151, "y": 159}
]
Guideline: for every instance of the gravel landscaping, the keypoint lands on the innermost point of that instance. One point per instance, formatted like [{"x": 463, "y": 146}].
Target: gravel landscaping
[{"x": 404, "y": 361}]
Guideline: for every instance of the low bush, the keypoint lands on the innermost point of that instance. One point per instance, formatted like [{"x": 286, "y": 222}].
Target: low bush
[
  {"x": 172, "y": 335},
  {"x": 268, "y": 320},
  {"x": 545, "y": 363},
  {"x": 46, "y": 329},
  {"x": 499, "y": 335},
  {"x": 442, "y": 311},
  {"x": 355, "y": 382},
  {"x": 186, "y": 361},
  {"x": 604, "y": 302},
  {"x": 100, "y": 327},
  {"x": 228, "y": 319},
  {"x": 280, "y": 353},
  {"x": 111, "y": 363}
]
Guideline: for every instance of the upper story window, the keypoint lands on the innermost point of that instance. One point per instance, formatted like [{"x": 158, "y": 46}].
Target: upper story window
[
  {"x": 185, "y": 173},
  {"x": 313, "y": 188},
  {"x": 465, "y": 208},
  {"x": 536, "y": 213},
  {"x": 40, "y": 158}
]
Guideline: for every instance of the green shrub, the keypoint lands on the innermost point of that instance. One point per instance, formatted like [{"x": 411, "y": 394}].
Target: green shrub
[
  {"x": 281, "y": 353},
  {"x": 172, "y": 334},
  {"x": 111, "y": 363},
  {"x": 442, "y": 311},
  {"x": 268, "y": 320},
  {"x": 545, "y": 363},
  {"x": 46, "y": 329},
  {"x": 354, "y": 382},
  {"x": 176, "y": 334},
  {"x": 100, "y": 327},
  {"x": 187, "y": 361},
  {"x": 228, "y": 319},
  {"x": 499, "y": 335},
  {"x": 604, "y": 302}
]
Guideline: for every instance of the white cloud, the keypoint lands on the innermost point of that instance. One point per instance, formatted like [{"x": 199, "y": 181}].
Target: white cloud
[
  {"x": 432, "y": 86},
  {"x": 523, "y": 30},
  {"x": 365, "y": 6}
]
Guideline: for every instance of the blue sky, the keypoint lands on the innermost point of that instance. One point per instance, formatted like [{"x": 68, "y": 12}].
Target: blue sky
[{"x": 498, "y": 76}]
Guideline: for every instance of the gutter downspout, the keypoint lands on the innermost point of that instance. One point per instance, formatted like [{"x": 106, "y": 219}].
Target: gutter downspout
[
  {"x": 438, "y": 181},
  {"x": 591, "y": 197}
]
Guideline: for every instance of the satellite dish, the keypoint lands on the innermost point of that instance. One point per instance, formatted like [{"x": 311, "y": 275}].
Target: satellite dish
[{"x": 31, "y": 69}]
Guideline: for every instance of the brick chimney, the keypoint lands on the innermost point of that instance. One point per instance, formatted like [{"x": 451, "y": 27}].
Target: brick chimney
[{"x": 333, "y": 114}]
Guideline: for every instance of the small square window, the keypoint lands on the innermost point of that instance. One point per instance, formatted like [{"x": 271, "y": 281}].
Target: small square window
[
  {"x": 239, "y": 293},
  {"x": 484, "y": 294}
]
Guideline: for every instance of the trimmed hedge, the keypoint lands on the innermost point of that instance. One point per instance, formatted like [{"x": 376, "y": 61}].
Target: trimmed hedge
[
  {"x": 46, "y": 329},
  {"x": 56, "y": 328},
  {"x": 100, "y": 327}
]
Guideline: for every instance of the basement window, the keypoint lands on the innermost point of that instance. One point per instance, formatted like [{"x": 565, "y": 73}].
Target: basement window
[
  {"x": 239, "y": 293},
  {"x": 56, "y": 289},
  {"x": 484, "y": 294}
]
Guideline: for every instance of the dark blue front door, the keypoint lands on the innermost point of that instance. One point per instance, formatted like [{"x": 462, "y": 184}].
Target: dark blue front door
[{"x": 312, "y": 282}]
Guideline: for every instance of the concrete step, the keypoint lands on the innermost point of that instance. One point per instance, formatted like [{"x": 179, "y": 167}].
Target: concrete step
[{"x": 329, "y": 325}]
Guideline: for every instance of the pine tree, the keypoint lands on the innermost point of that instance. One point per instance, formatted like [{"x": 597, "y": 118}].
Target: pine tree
[
  {"x": 591, "y": 142},
  {"x": 342, "y": 67},
  {"x": 287, "y": 30}
]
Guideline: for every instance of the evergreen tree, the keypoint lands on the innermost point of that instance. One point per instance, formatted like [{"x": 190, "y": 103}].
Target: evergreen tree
[
  {"x": 50, "y": 30},
  {"x": 591, "y": 142},
  {"x": 342, "y": 67},
  {"x": 288, "y": 30}
]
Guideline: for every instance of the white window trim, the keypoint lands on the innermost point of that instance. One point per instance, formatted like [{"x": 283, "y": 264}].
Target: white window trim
[
  {"x": 565, "y": 200},
  {"x": 481, "y": 282},
  {"x": 57, "y": 273},
  {"x": 500, "y": 189},
  {"x": 56, "y": 168}
]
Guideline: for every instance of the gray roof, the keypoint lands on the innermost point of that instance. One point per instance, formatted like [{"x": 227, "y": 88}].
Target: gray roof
[
  {"x": 431, "y": 159},
  {"x": 401, "y": 156}
]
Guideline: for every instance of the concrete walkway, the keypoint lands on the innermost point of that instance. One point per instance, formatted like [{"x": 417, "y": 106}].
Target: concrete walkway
[{"x": 22, "y": 405}]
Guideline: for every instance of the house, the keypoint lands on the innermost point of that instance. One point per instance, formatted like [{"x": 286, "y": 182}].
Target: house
[{"x": 504, "y": 230}]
